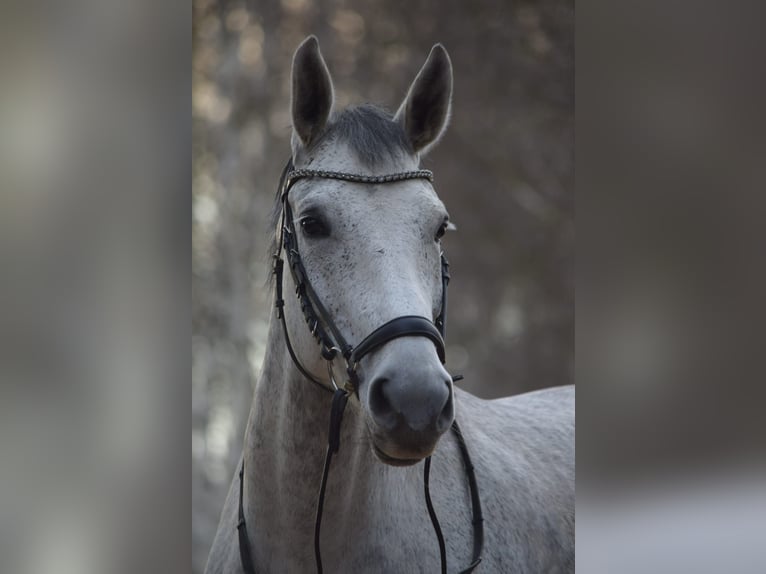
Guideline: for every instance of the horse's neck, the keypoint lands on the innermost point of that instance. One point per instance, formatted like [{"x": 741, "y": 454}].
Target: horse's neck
[
  {"x": 287, "y": 415},
  {"x": 284, "y": 453}
]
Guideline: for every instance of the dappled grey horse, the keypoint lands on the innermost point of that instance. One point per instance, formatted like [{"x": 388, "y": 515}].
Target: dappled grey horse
[{"x": 360, "y": 225}]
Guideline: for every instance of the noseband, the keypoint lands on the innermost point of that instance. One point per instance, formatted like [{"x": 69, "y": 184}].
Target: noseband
[{"x": 332, "y": 343}]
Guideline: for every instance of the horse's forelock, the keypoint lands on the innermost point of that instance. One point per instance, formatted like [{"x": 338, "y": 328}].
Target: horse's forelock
[{"x": 370, "y": 133}]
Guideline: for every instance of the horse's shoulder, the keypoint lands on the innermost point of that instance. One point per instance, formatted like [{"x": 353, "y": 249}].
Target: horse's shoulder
[
  {"x": 523, "y": 450},
  {"x": 532, "y": 432}
]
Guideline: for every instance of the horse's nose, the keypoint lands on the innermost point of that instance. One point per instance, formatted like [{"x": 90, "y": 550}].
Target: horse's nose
[{"x": 412, "y": 403}]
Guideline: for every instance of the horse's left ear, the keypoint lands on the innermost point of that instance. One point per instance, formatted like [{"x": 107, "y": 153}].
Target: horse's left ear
[{"x": 424, "y": 113}]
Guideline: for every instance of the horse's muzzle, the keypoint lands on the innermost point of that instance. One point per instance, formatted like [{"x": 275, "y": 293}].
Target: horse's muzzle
[{"x": 409, "y": 415}]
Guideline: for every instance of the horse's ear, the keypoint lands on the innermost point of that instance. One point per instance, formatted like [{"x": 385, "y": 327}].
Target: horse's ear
[
  {"x": 312, "y": 92},
  {"x": 424, "y": 113}
]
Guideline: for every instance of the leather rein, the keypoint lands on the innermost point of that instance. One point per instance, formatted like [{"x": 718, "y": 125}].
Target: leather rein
[{"x": 332, "y": 344}]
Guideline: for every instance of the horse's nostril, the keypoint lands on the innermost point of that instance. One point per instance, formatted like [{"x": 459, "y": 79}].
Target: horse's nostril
[{"x": 380, "y": 406}]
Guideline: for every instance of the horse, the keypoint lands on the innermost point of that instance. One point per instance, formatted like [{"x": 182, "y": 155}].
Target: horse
[{"x": 362, "y": 226}]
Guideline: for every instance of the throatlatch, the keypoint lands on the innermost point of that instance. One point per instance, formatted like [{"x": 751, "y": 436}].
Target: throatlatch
[{"x": 332, "y": 343}]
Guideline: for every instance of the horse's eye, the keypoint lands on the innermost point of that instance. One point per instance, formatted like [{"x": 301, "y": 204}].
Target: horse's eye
[
  {"x": 313, "y": 227},
  {"x": 442, "y": 230}
]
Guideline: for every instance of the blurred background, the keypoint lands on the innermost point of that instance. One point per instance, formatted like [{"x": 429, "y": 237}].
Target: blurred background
[
  {"x": 504, "y": 169},
  {"x": 95, "y": 206}
]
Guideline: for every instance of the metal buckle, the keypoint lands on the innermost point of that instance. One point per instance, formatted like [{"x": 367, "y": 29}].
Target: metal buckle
[
  {"x": 330, "y": 371},
  {"x": 349, "y": 387}
]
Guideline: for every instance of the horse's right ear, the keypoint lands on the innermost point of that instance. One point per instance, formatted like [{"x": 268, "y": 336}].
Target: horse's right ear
[{"x": 312, "y": 92}]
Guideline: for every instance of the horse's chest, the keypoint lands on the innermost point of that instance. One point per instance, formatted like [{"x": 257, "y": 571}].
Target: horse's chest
[
  {"x": 383, "y": 550},
  {"x": 360, "y": 542}
]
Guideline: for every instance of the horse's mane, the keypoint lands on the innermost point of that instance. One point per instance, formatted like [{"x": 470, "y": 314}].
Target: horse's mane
[{"x": 369, "y": 131}]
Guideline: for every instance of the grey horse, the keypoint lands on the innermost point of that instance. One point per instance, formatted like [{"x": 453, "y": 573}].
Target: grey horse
[{"x": 372, "y": 253}]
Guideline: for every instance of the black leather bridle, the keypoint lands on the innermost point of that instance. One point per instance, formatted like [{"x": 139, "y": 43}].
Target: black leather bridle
[{"x": 332, "y": 343}]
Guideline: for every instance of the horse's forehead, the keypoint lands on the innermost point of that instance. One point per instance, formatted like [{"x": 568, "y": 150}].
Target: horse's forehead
[
  {"x": 375, "y": 200},
  {"x": 355, "y": 199}
]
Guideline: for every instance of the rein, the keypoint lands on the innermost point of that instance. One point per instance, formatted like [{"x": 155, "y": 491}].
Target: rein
[{"x": 332, "y": 343}]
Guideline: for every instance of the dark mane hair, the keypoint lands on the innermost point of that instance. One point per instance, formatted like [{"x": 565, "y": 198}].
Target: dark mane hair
[{"x": 370, "y": 132}]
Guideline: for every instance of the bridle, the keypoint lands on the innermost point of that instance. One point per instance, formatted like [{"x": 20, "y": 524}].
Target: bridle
[{"x": 332, "y": 344}]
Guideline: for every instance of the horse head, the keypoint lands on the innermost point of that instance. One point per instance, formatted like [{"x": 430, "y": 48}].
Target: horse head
[{"x": 371, "y": 250}]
